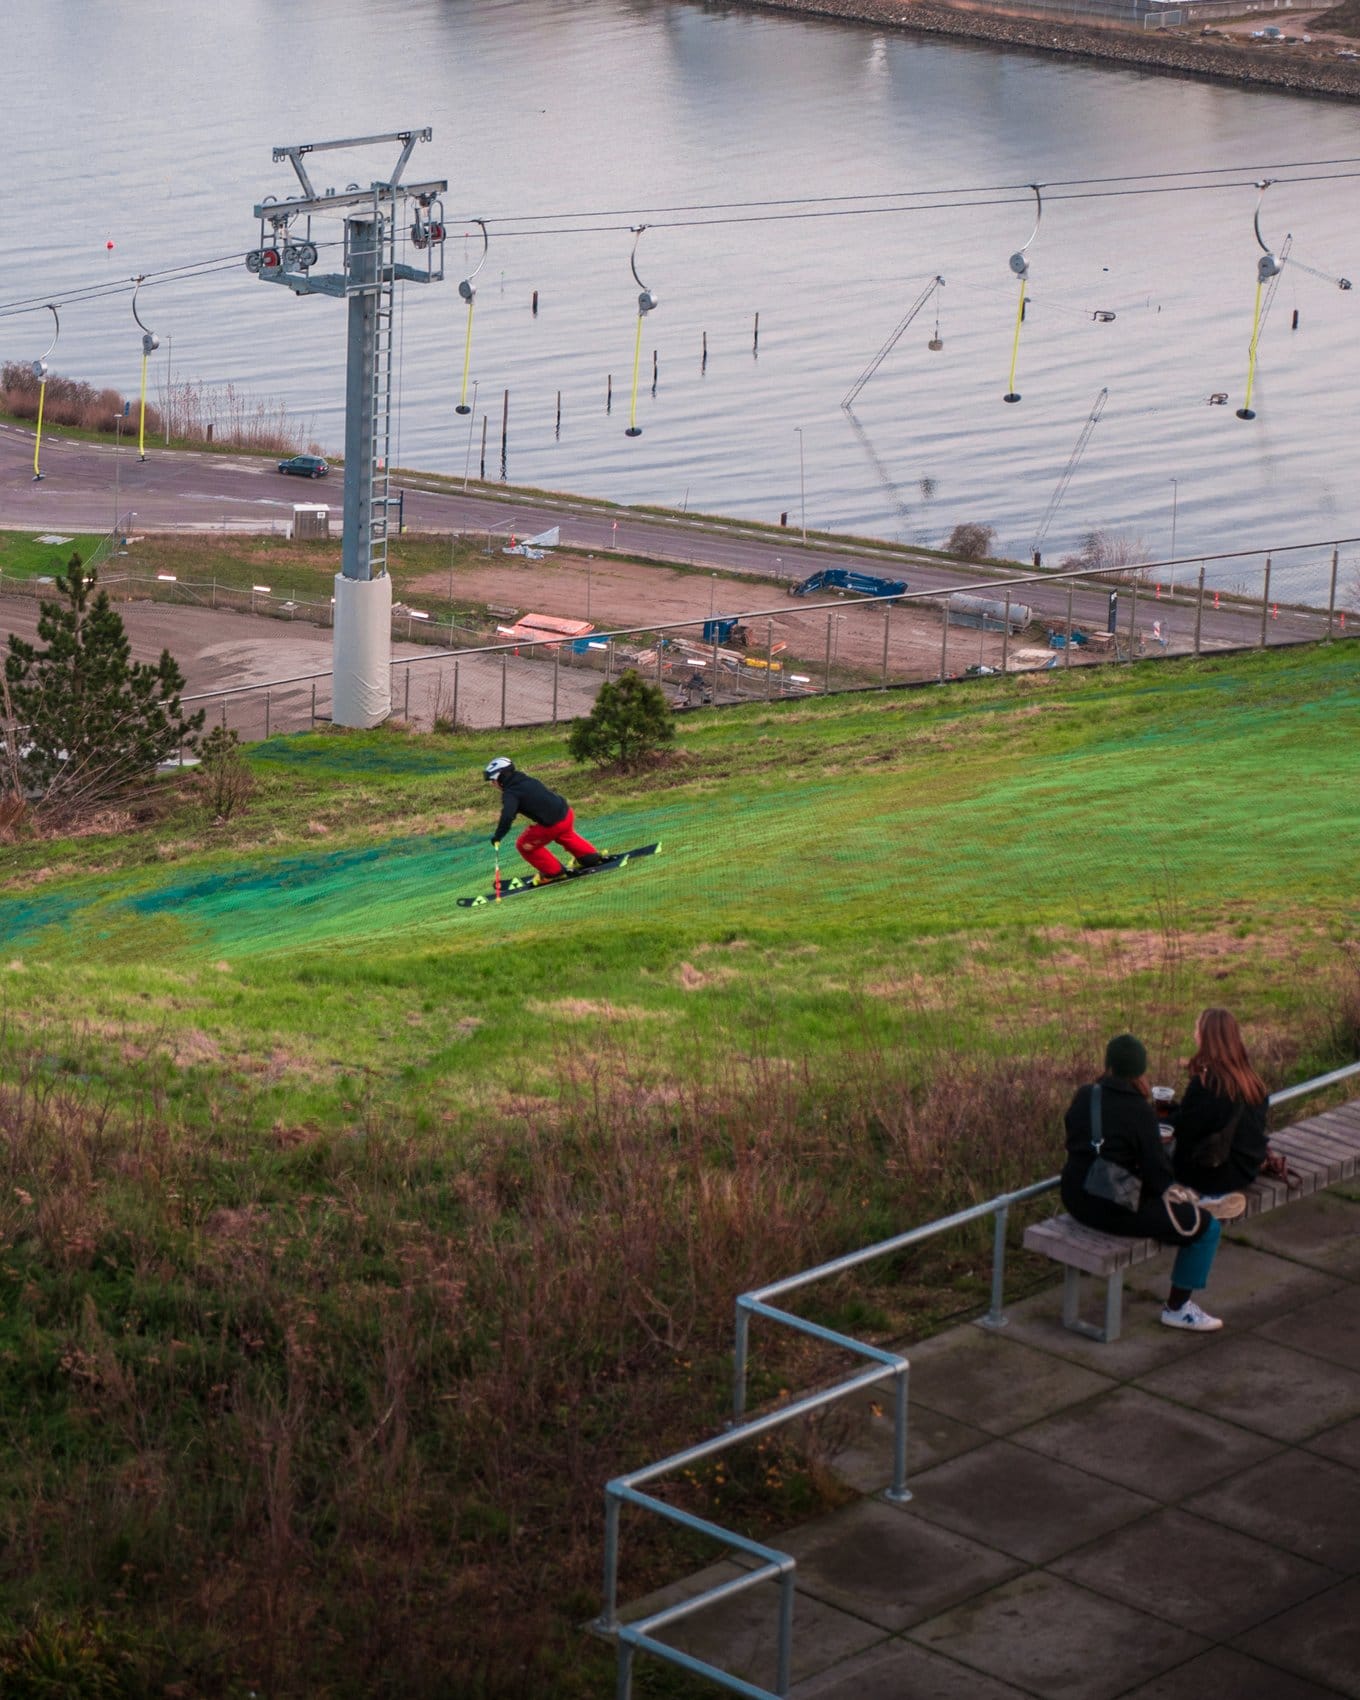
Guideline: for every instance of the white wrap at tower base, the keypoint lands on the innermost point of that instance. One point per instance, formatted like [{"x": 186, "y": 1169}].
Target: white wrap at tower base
[{"x": 361, "y": 653}]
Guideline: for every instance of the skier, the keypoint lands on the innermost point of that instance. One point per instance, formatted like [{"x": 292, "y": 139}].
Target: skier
[{"x": 552, "y": 818}]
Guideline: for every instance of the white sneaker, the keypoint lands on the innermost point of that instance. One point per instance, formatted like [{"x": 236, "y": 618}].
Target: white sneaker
[
  {"x": 1192, "y": 1317},
  {"x": 1226, "y": 1206}
]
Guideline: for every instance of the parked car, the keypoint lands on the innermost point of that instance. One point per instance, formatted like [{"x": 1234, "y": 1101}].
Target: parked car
[{"x": 304, "y": 466}]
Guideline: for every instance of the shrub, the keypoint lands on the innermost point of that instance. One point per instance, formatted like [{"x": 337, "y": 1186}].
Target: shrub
[
  {"x": 972, "y": 541},
  {"x": 629, "y": 722},
  {"x": 1105, "y": 551},
  {"x": 226, "y": 780}
]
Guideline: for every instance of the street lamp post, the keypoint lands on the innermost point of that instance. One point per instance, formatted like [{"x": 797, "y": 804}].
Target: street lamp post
[{"x": 802, "y": 486}]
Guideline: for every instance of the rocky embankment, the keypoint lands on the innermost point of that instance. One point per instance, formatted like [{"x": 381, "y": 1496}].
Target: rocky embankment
[{"x": 1247, "y": 64}]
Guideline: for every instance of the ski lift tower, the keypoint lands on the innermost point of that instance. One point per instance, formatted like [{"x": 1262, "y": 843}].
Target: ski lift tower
[{"x": 378, "y": 220}]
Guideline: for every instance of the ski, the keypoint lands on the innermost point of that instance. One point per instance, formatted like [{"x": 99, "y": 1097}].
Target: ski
[{"x": 518, "y": 886}]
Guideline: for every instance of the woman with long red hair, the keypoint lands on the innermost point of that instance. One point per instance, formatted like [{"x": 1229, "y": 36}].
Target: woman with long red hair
[{"x": 1221, "y": 1121}]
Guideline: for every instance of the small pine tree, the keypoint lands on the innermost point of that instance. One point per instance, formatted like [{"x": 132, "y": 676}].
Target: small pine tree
[
  {"x": 92, "y": 720},
  {"x": 630, "y": 720}
]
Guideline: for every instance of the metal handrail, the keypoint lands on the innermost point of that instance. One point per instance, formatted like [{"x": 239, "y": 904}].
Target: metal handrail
[{"x": 774, "y": 1564}]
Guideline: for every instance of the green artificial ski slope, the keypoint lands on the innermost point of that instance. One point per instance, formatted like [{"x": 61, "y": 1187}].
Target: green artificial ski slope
[{"x": 814, "y": 855}]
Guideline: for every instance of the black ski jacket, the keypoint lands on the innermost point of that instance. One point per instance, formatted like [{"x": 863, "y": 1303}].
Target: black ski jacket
[{"x": 521, "y": 795}]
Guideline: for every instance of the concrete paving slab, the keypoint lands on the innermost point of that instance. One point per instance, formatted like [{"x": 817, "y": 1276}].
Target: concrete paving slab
[
  {"x": 1328, "y": 1327},
  {"x": 1146, "y": 1443},
  {"x": 865, "y": 1460},
  {"x": 1320, "y": 1232},
  {"x": 1027, "y": 1505},
  {"x": 897, "y": 1669},
  {"x": 1308, "y": 1505},
  {"x": 740, "y": 1635},
  {"x": 1263, "y": 1386},
  {"x": 1246, "y": 1287},
  {"x": 879, "y": 1562},
  {"x": 1209, "y": 1579},
  {"x": 1224, "y": 1674},
  {"x": 1319, "y": 1640},
  {"x": 1143, "y": 1343},
  {"x": 685, "y": 1589},
  {"x": 1341, "y": 1443},
  {"x": 1057, "y": 1640},
  {"x": 979, "y": 1376}
]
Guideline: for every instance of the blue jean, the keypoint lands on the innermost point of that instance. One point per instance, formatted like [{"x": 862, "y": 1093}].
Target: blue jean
[{"x": 1193, "y": 1260}]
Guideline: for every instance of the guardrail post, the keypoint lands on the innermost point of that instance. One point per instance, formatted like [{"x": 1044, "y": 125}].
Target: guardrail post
[
  {"x": 1331, "y": 594},
  {"x": 1199, "y": 607},
  {"x": 624, "y": 1691},
  {"x": 1006, "y": 632},
  {"x": 557, "y": 668},
  {"x": 505, "y": 663},
  {"x": 785, "y": 1654},
  {"x": 898, "y": 1493},
  {"x": 740, "y": 1346},
  {"x": 608, "y": 1620},
  {"x": 996, "y": 1316},
  {"x": 1265, "y": 605}
]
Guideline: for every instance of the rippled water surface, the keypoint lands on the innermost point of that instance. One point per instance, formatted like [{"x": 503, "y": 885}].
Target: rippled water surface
[{"x": 151, "y": 124}]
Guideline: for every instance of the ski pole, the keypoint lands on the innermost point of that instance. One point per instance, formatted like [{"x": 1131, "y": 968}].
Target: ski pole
[{"x": 497, "y": 849}]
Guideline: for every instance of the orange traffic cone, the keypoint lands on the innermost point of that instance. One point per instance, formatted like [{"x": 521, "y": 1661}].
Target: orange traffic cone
[
  {"x": 1158, "y": 596},
  {"x": 1274, "y": 610},
  {"x": 1215, "y": 599}
]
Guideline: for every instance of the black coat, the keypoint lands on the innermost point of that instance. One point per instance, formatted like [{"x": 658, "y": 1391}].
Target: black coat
[
  {"x": 1202, "y": 1113},
  {"x": 521, "y": 795},
  {"x": 1132, "y": 1139}
]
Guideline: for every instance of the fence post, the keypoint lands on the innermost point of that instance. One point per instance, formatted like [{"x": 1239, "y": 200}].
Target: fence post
[
  {"x": 406, "y": 706},
  {"x": 944, "y": 637},
  {"x": 826, "y": 683},
  {"x": 1067, "y": 652},
  {"x": 455, "y": 696},
  {"x": 608, "y": 1619},
  {"x": 213, "y": 598},
  {"x": 313, "y": 725},
  {"x": 224, "y": 714},
  {"x": 266, "y": 716},
  {"x": 1265, "y": 605},
  {"x": 996, "y": 1316},
  {"x": 887, "y": 626},
  {"x": 713, "y": 692},
  {"x": 505, "y": 663},
  {"x": 1331, "y": 595},
  {"x": 1133, "y": 616},
  {"x": 769, "y": 659},
  {"x": 1199, "y": 607},
  {"x": 740, "y": 1347},
  {"x": 608, "y": 659},
  {"x": 1006, "y": 632}
]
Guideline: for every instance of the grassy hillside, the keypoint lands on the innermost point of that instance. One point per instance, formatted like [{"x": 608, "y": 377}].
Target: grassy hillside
[{"x": 349, "y": 1240}]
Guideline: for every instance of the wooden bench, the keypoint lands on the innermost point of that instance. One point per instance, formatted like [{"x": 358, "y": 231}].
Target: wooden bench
[{"x": 1320, "y": 1151}]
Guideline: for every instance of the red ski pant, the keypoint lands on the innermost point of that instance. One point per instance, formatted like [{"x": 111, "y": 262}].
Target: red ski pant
[{"x": 533, "y": 841}]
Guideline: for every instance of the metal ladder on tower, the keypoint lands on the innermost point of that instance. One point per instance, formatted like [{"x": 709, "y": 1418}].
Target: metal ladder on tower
[{"x": 380, "y": 386}]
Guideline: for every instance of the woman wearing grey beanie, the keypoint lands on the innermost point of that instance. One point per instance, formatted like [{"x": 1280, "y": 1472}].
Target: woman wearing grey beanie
[{"x": 1114, "y": 1145}]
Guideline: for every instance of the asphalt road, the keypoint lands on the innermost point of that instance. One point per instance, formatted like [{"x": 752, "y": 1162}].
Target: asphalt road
[{"x": 86, "y": 484}]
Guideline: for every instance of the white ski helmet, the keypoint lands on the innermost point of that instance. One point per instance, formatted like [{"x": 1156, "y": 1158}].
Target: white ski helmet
[{"x": 499, "y": 767}]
